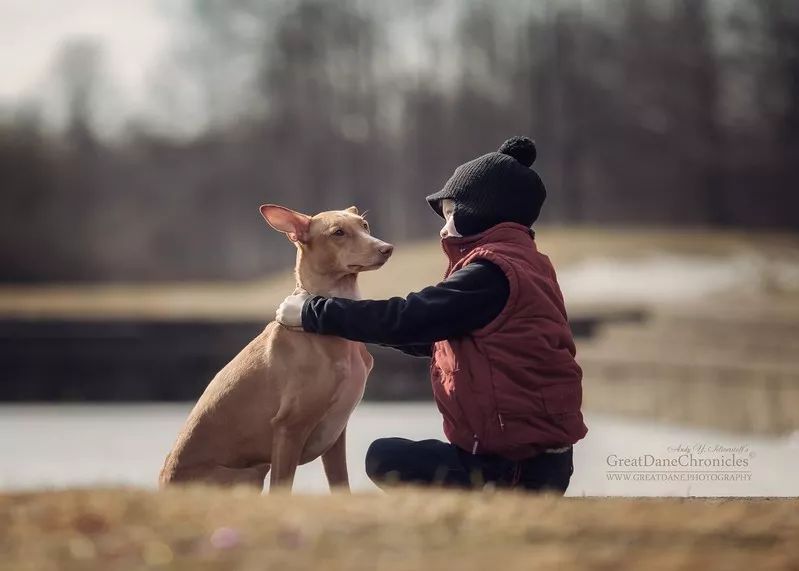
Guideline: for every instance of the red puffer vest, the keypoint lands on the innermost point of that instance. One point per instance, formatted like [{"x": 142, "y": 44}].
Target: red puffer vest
[{"x": 513, "y": 387}]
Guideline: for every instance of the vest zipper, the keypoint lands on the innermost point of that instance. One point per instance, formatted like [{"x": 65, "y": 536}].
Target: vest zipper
[
  {"x": 474, "y": 447},
  {"x": 501, "y": 422}
]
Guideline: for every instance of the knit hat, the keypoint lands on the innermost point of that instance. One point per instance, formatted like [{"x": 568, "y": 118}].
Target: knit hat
[{"x": 497, "y": 187}]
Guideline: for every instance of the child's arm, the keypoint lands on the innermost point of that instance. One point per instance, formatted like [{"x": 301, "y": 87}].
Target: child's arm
[
  {"x": 419, "y": 350},
  {"x": 469, "y": 299}
]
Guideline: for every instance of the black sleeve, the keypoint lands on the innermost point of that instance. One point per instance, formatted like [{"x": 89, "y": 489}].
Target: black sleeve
[
  {"x": 419, "y": 350},
  {"x": 469, "y": 299}
]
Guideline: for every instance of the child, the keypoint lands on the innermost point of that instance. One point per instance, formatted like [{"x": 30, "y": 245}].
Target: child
[{"x": 503, "y": 370}]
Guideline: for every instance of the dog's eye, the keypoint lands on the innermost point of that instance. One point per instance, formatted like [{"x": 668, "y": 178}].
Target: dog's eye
[
  {"x": 366, "y": 226},
  {"x": 338, "y": 232}
]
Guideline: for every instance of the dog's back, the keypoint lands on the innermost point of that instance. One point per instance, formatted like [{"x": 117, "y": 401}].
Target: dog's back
[{"x": 208, "y": 436}]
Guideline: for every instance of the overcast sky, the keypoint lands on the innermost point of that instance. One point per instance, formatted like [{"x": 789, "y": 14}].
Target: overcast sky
[{"x": 132, "y": 34}]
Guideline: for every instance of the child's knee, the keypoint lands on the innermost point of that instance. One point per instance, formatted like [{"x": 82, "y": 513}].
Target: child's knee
[{"x": 379, "y": 456}]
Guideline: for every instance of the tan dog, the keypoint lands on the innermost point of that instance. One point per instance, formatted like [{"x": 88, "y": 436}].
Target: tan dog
[{"x": 286, "y": 398}]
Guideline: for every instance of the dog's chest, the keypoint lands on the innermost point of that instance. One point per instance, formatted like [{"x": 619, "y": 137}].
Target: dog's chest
[{"x": 350, "y": 373}]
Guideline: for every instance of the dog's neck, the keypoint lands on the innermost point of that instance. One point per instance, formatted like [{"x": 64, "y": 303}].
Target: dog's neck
[{"x": 341, "y": 285}]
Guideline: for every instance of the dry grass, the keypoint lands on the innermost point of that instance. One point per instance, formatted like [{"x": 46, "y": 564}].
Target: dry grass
[
  {"x": 414, "y": 266},
  {"x": 198, "y": 529}
]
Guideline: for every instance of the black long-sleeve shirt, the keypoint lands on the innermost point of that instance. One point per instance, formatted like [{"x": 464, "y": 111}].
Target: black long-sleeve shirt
[{"x": 467, "y": 300}]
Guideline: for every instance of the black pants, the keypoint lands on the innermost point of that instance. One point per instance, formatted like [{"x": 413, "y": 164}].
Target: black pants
[{"x": 399, "y": 460}]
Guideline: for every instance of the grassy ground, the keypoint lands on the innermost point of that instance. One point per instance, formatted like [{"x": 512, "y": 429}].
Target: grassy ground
[
  {"x": 413, "y": 266},
  {"x": 198, "y": 529}
]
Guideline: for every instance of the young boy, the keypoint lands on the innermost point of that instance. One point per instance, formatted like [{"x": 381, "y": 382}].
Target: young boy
[{"x": 503, "y": 370}]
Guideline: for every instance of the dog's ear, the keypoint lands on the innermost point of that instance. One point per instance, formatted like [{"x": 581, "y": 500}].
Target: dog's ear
[
  {"x": 295, "y": 225},
  {"x": 352, "y": 209}
]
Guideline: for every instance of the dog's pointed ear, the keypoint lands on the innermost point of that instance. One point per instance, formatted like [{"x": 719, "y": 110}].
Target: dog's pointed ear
[
  {"x": 352, "y": 209},
  {"x": 295, "y": 225}
]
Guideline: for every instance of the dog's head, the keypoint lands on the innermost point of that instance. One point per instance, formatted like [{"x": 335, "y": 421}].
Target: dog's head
[{"x": 333, "y": 242}]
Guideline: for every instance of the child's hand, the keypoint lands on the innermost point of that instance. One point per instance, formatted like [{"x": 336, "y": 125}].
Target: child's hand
[{"x": 289, "y": 312}]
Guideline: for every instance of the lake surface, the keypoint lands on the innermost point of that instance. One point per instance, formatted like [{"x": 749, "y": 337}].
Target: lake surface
[{"x": 55, "y": 446}]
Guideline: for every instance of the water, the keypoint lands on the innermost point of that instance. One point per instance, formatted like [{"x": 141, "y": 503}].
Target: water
[{"x": 55, "y": 446}]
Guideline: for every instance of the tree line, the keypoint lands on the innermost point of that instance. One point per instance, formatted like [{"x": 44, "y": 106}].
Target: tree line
[{"x": 675, "y": 112}]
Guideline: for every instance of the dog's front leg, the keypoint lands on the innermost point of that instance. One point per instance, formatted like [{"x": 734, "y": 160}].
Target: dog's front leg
[
  {"x": 287, "y": 444},
  {"x": 335, "y": 462}
]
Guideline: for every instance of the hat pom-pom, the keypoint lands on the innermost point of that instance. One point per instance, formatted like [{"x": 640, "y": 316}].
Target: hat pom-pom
[{"x": 520, "y": 148}]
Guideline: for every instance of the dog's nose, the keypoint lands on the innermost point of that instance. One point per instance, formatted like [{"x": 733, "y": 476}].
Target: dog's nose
[{"x": 386, "y": 250}]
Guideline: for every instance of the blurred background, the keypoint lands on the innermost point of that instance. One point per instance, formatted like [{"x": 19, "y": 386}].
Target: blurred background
[{"x": 138, "y": 139}]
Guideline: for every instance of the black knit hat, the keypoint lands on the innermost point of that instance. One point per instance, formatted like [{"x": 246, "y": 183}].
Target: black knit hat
[{"x": 497, "y": 187}]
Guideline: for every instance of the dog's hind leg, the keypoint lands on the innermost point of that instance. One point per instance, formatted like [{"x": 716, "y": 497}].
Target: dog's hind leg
[
  {"x": 222, "y": 476},
  {"x": 250, "y": 476}
]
